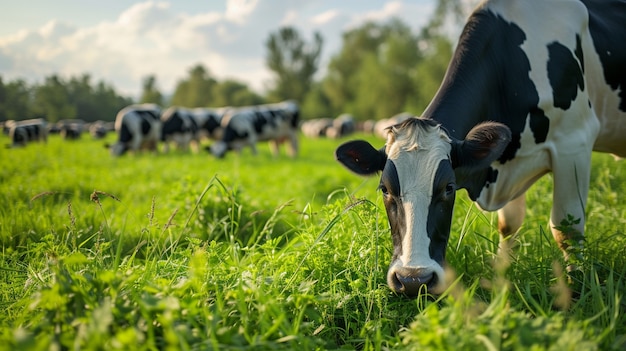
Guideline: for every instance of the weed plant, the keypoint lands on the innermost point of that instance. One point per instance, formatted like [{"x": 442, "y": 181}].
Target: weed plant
[{"x": 180, "y": 251}]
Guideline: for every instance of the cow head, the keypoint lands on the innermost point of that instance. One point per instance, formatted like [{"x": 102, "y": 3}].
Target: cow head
[
  {"x": 117, "y": 149},
  {"x": 420, "y": 167}
]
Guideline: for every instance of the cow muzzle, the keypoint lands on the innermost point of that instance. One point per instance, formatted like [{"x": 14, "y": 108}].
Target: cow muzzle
[{"x": 411, "y": 281}]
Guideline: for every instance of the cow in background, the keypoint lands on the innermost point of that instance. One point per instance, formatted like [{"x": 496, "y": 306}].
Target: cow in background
[
  {"x": 23, "y": 132},
  {"x": 70, "y": 129},
  {"x": 99, "y": 129},
  {"x": 316, "y": 128},
  {"x": 185, "y": 127},
  {"x": 342, "y": 126},
  {"x": 245, "y": 126},
  {"x": 137, "y": 127}
]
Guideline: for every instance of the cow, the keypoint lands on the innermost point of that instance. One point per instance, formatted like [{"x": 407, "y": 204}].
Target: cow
[
  {"x": 527, "y": 92},
  {"x": 342, "y": 126},
  {"x": 25, "y": 131},
  {"x": 184, "y": 126},
  {"x": 70, "y": 129},
  {"x": 137, "y": 127},
  {"x": 316, "y": 128},
  {"x": 99, "y": 129},
  {"x": 245, "y": 126}
]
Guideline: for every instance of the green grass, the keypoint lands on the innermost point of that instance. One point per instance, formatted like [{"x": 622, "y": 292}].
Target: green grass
[{"x": 182, "y": 251}]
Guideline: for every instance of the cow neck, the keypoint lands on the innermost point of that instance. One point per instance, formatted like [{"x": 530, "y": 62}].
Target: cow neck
[{"x": 487, "y": 78}]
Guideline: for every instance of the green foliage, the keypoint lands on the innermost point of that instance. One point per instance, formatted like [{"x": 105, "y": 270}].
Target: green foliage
[
  {"x": 293, "y": 62},
  {"x": 195, "y": 91},
  {"x": 183, "y": 251},
  {"x": 58, "y": 99},
  {"x": 384, "y": 69},
  {"x": 150, "y": 93}
]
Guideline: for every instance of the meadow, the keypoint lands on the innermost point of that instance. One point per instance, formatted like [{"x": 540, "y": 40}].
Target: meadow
[{"x": 182, "y": 251}]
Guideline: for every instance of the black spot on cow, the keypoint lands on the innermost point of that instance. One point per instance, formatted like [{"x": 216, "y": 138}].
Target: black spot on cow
[
  {"x": 606, "y": 20},
  {"x": 211, "y": 124},
  {"x": 565, "y": 74},
  {"x": 125, "y": 134},
  {"x": 492, "y": 176},
  {"x": 145, "y": 126},
  {"x": 494, "y": 69},
  {"x": 231, "y": 134},
  {"x": 259, "y": 121},
  {"x": 539, "y": 125}
]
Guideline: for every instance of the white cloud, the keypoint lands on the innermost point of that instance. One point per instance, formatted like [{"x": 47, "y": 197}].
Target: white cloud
[{"x": 152, "y": 38}]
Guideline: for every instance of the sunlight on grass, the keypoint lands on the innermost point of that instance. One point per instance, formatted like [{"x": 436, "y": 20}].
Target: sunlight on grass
[{"x": 183, "y": 251}]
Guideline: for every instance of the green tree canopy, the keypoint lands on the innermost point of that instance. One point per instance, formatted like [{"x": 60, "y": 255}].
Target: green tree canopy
[
  {"x": 294, "y": 62},
  {"x": 372, "y": 75},
  {"x": 233, "y": 93},
  {"x": 150, "y": 92},
  {"x": 196, "y": 90},
  {"x": 52, "y": 100}
]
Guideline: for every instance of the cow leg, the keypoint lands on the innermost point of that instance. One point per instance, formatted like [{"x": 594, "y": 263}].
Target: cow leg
[
  {"x": 571, "y": 186},
  {"x": 293, "y": 145},
  {"x": 274, "y": 147},
  {"x": 135, "y": 144},
  {"x": 252, "y": 143},
  {"x": 510, "y": 219}
]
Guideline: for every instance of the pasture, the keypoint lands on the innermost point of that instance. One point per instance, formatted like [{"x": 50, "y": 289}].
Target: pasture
[{"x": 182, "y": 251}]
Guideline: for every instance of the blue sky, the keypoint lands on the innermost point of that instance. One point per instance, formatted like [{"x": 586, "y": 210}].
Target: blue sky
[{"x": 123, "y": 41}]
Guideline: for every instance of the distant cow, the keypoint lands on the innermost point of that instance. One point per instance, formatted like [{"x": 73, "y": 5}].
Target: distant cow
[
  {"x": 342, "y": 126},
  {"x": 70, "y": 129},
  {"x": 526, "y": 93},
  {"x": 137, "y": 127},
  {"x": 184, "y": 126},
  {"x": 316, "y": 128},
  {"x": 99, "y": 129},
  {"x": 23, "y": 132},
  {"x": 246, "y": 126}
]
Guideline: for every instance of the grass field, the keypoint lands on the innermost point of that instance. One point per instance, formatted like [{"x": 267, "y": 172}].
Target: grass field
[{"x": 183, "y": 251}]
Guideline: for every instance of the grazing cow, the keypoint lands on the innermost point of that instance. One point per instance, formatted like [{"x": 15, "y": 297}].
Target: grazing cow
[
  {"x": 342, "y": 126},
  {"x": 70, "y": 129},
  {"x": 184, "y": 126},
  {"x": 137, "y": 127},
  {"x": 99, "y": 129},
  {"x": 247, "y": 125},
  {"x": 527, "y": 92},
  {"x": 25, "y": 131},
  {"x": 316, "y": 128}
]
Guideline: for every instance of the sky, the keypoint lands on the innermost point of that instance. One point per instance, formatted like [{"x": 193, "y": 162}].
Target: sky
[{"x": 123, "y": 41}]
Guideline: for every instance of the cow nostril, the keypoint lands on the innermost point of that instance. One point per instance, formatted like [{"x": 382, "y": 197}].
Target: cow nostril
[{"x": 411, "y": 284}]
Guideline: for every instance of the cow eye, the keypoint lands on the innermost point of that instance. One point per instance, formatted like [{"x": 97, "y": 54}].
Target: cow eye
[
  {"x": 450, "y": 189},
  {"x": 383, "y": 189}
]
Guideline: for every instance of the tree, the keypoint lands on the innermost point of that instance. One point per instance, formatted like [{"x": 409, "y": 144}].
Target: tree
[
  {"x": 371, "y": 77},
  {"x": 234, "y": 93},
  {"x": 150, "y": 93},
  {"x": 52, "y": 100},
  {"x": 294, "y": 62},
  {"x": 197, "y": 90},
  {"x": 15, "y": 100}
]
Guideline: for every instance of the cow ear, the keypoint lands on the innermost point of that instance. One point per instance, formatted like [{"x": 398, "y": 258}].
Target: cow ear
[
  {"x": 361, "y": 157},
  {"x": 483, "y": 144}
]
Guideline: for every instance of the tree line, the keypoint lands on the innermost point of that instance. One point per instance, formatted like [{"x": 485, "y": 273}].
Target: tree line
[{"x": 382, "y": 69}]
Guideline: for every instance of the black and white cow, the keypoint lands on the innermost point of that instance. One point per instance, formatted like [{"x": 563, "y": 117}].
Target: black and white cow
[
  {"x": 137, "y": 127},
  {"x": 184, "y": 126},
  {"x": 70, "y": 129},
  {"x": 245, "y": 126},
  {"x": 25, "y": 131},
  {"x": 533, "y": 87}
]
